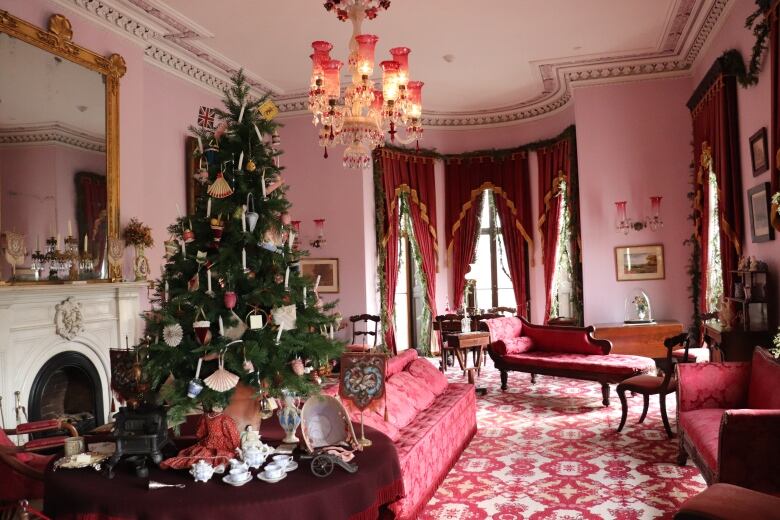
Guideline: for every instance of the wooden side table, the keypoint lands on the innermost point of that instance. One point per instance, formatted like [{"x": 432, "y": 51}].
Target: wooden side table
[
  {"x": 466, "y": 342},
  {"x": 735, "y": 345},
  {"x": 639, "y": 339}
]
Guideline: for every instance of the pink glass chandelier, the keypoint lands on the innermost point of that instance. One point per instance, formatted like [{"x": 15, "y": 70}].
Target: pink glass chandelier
[
  {"x": 624, "y": 224},
  {"x": 360, "y": 119}
]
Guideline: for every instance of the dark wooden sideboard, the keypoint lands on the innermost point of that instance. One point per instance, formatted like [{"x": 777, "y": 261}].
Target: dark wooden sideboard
[
  {"x": 735, "y": 345},
  {"x": 645, "y": 339}
]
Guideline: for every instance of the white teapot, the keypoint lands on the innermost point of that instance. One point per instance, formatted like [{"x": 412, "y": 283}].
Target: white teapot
[
  {"x": 202, "y": 471},
  {"x": 252, "y": 456}
]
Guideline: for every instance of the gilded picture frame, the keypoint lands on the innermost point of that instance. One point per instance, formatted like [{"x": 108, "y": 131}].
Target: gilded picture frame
[
  {"x": 644, "y": 262},
  {"x": 326, "y": 268}
]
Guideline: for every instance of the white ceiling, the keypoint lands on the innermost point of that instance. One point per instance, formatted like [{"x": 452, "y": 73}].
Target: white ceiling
[{"x": 46, "y": 89}]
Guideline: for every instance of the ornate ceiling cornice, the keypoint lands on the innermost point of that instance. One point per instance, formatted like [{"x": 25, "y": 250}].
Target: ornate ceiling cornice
[
  {"x": 172, "y": 42},
  {"x": 51, "y": 133}
]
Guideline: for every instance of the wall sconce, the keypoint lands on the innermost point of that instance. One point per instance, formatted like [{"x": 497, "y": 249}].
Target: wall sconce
[
  {"x": 319, "y": 224},
  {"x": 654, "y": 221}
]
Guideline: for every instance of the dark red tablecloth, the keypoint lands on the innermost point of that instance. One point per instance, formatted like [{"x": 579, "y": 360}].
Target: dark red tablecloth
[{"x": 87, "y": 495}]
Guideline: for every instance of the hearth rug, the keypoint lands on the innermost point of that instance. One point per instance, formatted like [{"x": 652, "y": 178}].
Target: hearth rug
[{"x": 551, "y": 451}]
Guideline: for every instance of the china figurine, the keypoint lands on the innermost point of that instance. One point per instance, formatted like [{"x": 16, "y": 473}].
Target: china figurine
[
  {"x": 250, "y": 438},
  {"x": 202, "y": 471},
  {"x": 289, "y": 418}
]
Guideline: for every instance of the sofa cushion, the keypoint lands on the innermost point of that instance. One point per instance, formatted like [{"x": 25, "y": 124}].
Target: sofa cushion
[
  {"x": 558, "y": 339},
  {"x": 519, "y": 345},
  {"x": 764, "y": 377},
  {"x": 605, "y": 364},
  {"x": 703, "y": 428},
  {"x": 424, "y": 371},
  {"x": 504, "y": 328},
  {"x": 415, "y": 389},
  {"x": 372, "y": 418},
  {"x": 400, "y": 406},
  {"x": 397, "y": 363}
]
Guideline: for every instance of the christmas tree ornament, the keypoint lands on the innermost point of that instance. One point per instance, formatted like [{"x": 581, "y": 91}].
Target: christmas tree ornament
[
  {"x": 220, "y": 188},
  {"x": 268, "y": 110},
  {"x": 297, "y": 366},
  {"x": 276, "y": 183},
  {"x": 206, "y": 117},
  {"x": 221, "y": 380},
  {"x": 193, "y": 284},
  {"x": 217, "y": 227},
  {"x": 251, "y": 166},
  {"x": 236, "y": 328},
  {"x": 275, "y": 139},
  {"x": 251, "y": 215},
  {"x": 248, "y": 366},
  {"x": 222, "y": 127},
  {"x": 285, "y": 218},
  {"x": 171, "y": 248},
  {"x": 255, "y": 318},
  {"x": 202, "y": 328},
  {"x": 173, "y": 334},
  {"x": 285, "y": 317},
  {"x": 202, "y": 175},
  {"x": 278, "y": 278},
  {"x": 188, "y": 235},
  {"x": 200, "y": 258},
  {"x": 211, "y": 153},
  {"x": 230, "y": 298}
]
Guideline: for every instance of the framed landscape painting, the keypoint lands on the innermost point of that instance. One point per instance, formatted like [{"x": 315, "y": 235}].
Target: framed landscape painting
[
  {"x": 639, "y": 262},
  {"x": 759, "y": 208},
  {"x": 326, "y": 268}
]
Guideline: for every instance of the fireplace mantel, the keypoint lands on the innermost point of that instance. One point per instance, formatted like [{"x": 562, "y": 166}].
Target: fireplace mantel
[{"x": 40, "y": 321}]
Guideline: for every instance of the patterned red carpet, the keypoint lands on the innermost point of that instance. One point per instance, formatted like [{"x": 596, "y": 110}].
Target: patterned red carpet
[{"x": 551, "y": 451}]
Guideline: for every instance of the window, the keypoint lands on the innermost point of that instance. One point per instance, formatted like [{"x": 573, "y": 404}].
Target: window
[
  {"x": 494, "y": 285},
  {"x": 714, "y": 267},
  {"x": 561, "y": 287}
]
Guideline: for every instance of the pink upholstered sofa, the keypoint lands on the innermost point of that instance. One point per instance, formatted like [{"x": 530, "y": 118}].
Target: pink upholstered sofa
[
  {"x": 517, "y": 345},
  {"x": 430, "y": 421},
  {"x": 728, "y": 417}
]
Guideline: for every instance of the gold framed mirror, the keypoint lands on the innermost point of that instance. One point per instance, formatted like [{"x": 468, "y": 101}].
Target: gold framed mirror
[{"x": 60, "y": 99}]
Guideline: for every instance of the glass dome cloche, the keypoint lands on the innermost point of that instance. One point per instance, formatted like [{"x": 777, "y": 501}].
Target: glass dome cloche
[{"x": 638, "y": 308}]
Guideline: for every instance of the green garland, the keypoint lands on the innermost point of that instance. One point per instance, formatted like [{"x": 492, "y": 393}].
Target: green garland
[
  {"x": 694, "y": 261},
  {"x": 758, "y": 23}
]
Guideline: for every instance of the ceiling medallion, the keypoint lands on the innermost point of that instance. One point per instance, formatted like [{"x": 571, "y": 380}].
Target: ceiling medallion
[{"x": 359, "y": 120}]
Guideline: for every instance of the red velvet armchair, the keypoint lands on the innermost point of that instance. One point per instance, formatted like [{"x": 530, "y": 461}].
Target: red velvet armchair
[
  {"x": 728, "y": 417},
  {"x": 21, "y": 467}
]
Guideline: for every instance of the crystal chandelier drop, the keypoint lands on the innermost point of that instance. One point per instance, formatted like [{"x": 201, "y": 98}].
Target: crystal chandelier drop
[{"x": 359, "y": 120}]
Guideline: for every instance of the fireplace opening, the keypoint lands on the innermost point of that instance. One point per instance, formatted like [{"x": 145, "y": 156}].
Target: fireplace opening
[{"x": 68, "y": 388}]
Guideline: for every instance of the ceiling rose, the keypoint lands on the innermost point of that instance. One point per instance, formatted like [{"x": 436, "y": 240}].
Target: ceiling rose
[{"x": 359, "y": 120}]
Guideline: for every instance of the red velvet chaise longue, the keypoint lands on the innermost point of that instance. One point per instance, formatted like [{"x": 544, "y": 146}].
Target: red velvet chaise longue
[{"x": 573, "y": 352}]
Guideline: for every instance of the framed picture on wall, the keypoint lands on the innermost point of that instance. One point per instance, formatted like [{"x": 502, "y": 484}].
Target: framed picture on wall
[
  {"x": 639, "y": 263},
  {"x": 193, "y": 188},
  {"x": 326, "y": 268},
  {"x": 759, "y": 154},
  {"x": 761, "y": 229}
]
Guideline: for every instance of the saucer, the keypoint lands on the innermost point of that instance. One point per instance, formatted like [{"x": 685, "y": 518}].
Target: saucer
[
  {"x": 292, "y": 466},
  {"x": 227, "y": 480},
  {"x": 262, "y": 477}
]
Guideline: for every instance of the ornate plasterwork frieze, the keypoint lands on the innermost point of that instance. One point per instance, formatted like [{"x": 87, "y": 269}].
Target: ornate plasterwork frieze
[
  {"x": 176, "y": 44},
  {"x": 52, "y": 133}
]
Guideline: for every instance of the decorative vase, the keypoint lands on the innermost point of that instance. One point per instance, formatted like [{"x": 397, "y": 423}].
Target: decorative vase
[
  {"x": 641, "y": 314},
  {"x": 141, "y": 264},
  {"x": 290, "y": 419}
]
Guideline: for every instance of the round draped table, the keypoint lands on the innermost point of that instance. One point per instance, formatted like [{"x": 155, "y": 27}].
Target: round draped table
[{"x": 85, "y": 494}]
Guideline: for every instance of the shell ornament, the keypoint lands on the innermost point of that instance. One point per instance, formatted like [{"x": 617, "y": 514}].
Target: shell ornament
[
  {"x": 173, "y": 334},
  {"x": 221, "y": 380},
  {"x": 220, "y": 188}
]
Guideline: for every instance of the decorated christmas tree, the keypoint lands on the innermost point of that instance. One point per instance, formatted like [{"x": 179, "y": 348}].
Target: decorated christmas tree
[{"x": 231, "y": 307}]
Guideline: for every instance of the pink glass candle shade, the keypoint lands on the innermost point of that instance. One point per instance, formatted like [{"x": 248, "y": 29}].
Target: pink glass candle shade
[
  {"x": 319, "y": 224},
  {"x": 655, "y": 206},
  {"x": 390, "y": 80},
  {"x": 415, "y": 98},
  {"x": 296, "y": 224},
  {"x": 332, "y": 70},
  {"x": 366, "y": 46},
  {"x": 379, "y": 101},
  {"x": 320, "y": 56},
  {"x": 621, "y": 211},
  {"x": 401, "y": 55}
]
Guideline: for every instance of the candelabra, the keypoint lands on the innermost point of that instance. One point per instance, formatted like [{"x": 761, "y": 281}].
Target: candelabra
[
  {"x": 624, "y": 224},
  {"x": 320, "y": 240},
  {"x": 70, "y": 259},
  {"x": 38, "y": 263},
  {"x": 51, "y": 257}
]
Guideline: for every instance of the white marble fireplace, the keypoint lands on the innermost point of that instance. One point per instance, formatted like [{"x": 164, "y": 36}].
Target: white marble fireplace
[{"x": 39, "y": 322}]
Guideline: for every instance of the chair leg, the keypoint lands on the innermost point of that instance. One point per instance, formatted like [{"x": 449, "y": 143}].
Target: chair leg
[
  {"x": 664, "y": 418},
  {"x": 682, "y": 455},
  {"x": 533, "y": 378},
  {"x": 646, "y": 399},
  {"x": 621, "y": 392},
  {"x": 504, "y": 378},
  {"x": 605, "y": 394}
]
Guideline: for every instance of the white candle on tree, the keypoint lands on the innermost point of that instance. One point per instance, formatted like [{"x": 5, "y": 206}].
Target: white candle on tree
[
  {"x": 279, "y": 334},
  {"x": 208, "y": 280},
  {"x": 317, "y": 283},
  {"x": 86, "y": 243},
  {"x": 243, "y": 220},
  {"x": 70, "y": 228},
  {"x": 208, "y": 207},
  {"x": 243, "y": 259},
  {"x": 287, "y": 278},
  {"x": 221, "y": 327}
]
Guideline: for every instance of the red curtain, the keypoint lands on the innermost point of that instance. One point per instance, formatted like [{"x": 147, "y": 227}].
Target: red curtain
[
  {"x": 413, "y": 176},
  {"x": 507, "y": 177},
  {"x": 554, "y": 167},
  {"x": 716, "y": 142},
  {"x": 90, "y": 202}
]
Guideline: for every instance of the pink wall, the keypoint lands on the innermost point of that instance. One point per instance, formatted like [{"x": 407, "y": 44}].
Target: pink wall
[
  {"x": 633, "y": 141},
  {"x": 754, "y": 112}
]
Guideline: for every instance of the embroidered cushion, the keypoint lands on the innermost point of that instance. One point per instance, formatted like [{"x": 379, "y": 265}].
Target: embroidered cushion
[
  {"x": 424, "y": 371},
  {"x": 513, "y": 346},
  {"x": 415, "y": 389}
]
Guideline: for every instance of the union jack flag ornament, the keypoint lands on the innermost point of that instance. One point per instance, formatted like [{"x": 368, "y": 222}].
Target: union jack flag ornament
[{"x": 206, "y": 118}]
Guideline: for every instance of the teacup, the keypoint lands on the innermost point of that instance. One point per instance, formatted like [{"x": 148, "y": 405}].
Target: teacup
[
  {"x": 282, "y": 460},
  {"x": 274, "y": 471}
]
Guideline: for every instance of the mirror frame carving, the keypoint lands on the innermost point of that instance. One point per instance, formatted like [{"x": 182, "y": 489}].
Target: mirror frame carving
[{"x": 57, "y": 40}]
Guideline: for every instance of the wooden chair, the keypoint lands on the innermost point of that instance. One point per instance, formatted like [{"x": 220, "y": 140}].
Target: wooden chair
[
  {"x": 648, "y": 385},
  {"x": 475, "y": 321},
  {"x": 446, "y": 324},
  {"x": 503, "y": 311},
  {"x": 22, "y": 467},
  {"x": 366, "y": 320}
]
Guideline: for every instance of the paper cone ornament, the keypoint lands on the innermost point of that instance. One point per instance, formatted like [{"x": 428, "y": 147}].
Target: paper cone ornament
[
  {"x": 297, "y": 366},
  {"x": 221, "y": 380},
  {"x": 220, "y": 188},
  {"x": 230, "y": 299},
  {"x": 188, "y": 235},
  {"x": 251, "y": 215},
  {"x": 202, "y": 331},
  {"x": 193, "y": 284},
  {"x": 236, "y": 329},
  {"x": 217, "y": 226}
]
